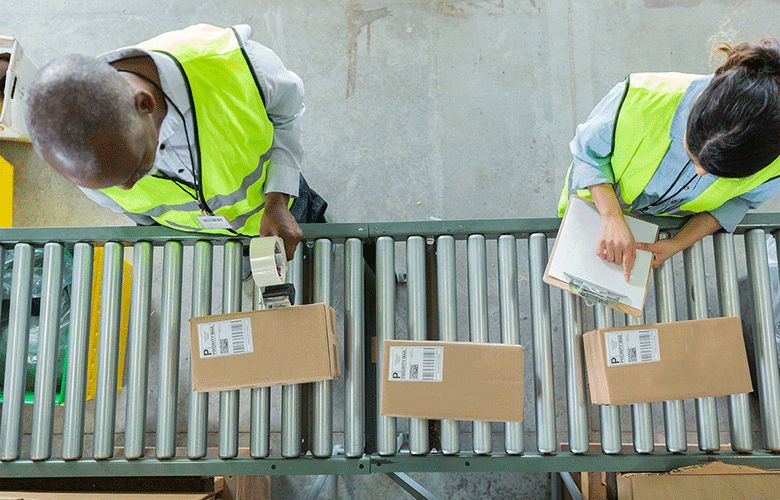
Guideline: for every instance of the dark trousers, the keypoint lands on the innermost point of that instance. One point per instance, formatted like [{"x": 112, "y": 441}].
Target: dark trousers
[{"x": 308, "y": 207}]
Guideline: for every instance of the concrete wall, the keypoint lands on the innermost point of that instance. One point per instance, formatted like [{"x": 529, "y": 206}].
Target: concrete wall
[{"x": 416, "y": 109}]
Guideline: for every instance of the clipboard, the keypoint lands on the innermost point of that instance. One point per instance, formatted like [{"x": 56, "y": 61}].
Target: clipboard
[{"x": 574, "y": 266}]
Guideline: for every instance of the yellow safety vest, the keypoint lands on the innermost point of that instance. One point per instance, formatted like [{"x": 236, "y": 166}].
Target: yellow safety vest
[
  {"x": 640, "y": 139},
  {"x": 232, "y": 136}
]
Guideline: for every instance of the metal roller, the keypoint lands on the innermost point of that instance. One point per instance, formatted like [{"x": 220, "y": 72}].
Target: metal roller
[
  {"x": 78, "y": 352},
  {"x": 478, "y": 323},
  {"x": 197, "y": 420},
  {"x": 728, "y": 299},
  {"x": 385, "y": 325},
  {"x": 48, "y": 343},
  {"x": 108, "y": 351},
  {"x": 291, "y": 393},
  {"x": 666, "y": 312},
  {"x": 448, "y": 325},
  {"x": 16, "y": 352},
  {"x": 764, "y": 338},
  {"x": 260, "y": 407},
  {"x": 641, "y": 413},
  {"x": 577, "y": 404},
  {"x": 415, "y": 269},
  {"x": 170, "y": 334},
  {"x": 138, "y": 351},
  {"x": 354, "y": 400},
  {"x": 546, "y": 441},
  {"x": 510, "y": 323},
  {"x": 696, "y": 295},
  {"x": 609, "y": 416},
  {"x": 322, "y": 441},
  {"x": 231, "y": 302}
]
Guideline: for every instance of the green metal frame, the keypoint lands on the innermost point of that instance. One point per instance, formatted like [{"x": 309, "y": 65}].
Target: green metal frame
[
  {"x": 403, "y": 462},
  {"x": 338, "y": 465}
]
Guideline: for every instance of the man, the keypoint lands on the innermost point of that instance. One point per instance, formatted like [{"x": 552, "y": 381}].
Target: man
[{"x": 197, "y": 129}]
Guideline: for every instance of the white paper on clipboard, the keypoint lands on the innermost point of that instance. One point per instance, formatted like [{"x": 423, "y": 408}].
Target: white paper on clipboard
[{"x": 575, "y": 253}]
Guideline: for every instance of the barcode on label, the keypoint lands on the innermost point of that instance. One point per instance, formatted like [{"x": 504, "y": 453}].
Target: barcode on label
[
  {"x": 429, "y": 363},
  {"x": 237, "y": 334},
  {"x": 645, "y": 347},
  {"x": 224, "y": 338},
  {"x": 416, "y": 363},
  {"x": 630, "y": 347}
]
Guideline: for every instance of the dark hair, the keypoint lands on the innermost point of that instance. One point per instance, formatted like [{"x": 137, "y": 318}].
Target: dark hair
[{"x": 734, "y": 125}]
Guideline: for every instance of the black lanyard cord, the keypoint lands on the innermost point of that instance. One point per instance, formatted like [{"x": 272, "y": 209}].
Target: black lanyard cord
[
  {"x": 663, "y": 198},
  {"x": 197, "y": 187}
]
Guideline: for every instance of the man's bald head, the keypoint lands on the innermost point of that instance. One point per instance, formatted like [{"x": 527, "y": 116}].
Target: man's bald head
[{"x": 70, "y": 105}]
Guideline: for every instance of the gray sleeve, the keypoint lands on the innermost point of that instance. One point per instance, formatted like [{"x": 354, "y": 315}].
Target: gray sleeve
[
  {"x": 283, "y": 92},
  {"x": 104, "y": 201},
  {"x": 591, "y": 147}
]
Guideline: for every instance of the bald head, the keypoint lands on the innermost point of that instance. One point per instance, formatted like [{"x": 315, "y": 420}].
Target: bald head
[{"x": 71, "y": 106}]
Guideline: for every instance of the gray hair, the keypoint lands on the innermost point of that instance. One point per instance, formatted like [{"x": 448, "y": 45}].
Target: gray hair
[{"x": 68, "y": 102}]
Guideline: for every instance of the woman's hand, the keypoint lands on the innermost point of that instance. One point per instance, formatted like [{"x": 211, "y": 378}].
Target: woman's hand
[
  {"x": 616, "y": 243},
  {"x": 697, "y": 227},
  {"x": 662, "y": 250}
]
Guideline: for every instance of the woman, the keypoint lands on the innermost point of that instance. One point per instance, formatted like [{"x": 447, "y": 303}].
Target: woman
[{"x": 680, "y": 144}]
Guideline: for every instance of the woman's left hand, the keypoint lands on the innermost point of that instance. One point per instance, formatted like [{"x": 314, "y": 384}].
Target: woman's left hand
[{"x": 662, "y": 250}]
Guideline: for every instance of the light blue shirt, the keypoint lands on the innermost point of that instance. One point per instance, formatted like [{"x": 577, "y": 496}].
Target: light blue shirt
[{"x": 675, "y": 182}]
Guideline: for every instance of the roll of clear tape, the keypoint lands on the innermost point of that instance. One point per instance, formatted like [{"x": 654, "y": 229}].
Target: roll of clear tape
[{"x": 268, "y": 260}]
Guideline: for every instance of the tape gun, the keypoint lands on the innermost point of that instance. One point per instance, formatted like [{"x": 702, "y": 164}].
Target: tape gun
[{"x": 269, "y": 270}]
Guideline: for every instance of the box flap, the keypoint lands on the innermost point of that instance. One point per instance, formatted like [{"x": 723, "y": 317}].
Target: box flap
[{"x": 708, "y": 469}]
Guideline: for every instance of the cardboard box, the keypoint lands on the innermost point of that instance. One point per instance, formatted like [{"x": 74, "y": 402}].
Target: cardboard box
[
  {"x": 713, "y": 481},
  {"x": 286, "y": 345},
  {"x": 19, "y": 72},
  {"x": 31, "y": 495},
  {"x": 452, "y": 380},
  {"x": 666, "y": 361}
]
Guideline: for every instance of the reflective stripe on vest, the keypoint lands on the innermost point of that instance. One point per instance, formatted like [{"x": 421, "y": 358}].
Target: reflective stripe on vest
[
  {"x": 231, "y": 141},
  {"x": 641, "y": 138}
]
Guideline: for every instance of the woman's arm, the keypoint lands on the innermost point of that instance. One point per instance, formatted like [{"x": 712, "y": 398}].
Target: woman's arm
[
  {"x": 697, "y": 227},
  {"x": 616, "y": 242}
]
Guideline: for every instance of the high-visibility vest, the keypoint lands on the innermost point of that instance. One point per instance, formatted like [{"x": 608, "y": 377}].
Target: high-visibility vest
[
  {"x": 640, "y": 138},
  {"x": 231, "y": 139}
]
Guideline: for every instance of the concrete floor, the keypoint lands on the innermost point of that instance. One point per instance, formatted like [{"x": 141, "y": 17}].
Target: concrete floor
[{"x": 417, "y": 110}]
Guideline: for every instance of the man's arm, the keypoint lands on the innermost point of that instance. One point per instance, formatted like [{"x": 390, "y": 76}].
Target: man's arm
[{"x": 283, "y": 93}]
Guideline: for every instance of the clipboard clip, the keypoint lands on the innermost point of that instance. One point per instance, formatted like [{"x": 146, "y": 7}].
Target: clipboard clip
[{"x": 592, "y": 293}]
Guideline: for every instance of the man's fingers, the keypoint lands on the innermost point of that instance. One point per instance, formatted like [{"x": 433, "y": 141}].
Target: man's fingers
[{"x": 289, "y": 250}]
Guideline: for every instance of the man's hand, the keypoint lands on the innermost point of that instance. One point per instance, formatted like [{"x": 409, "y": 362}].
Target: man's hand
[
  {"x": 278, "y": 221},
  {"x": 616, "y": 243}
]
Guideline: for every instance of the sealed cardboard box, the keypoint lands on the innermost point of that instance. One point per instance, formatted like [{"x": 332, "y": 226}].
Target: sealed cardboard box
[
  {"x": 31, "y": 495},
  {"x": 666, "y": 361},
  {"x": 286, "y": 345},
  {"x": 452, "y": 380},
  {"x": 713, "y": 481}
]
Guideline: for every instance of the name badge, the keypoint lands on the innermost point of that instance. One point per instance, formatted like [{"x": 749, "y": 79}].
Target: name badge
[{"x": 214, "y": 222}]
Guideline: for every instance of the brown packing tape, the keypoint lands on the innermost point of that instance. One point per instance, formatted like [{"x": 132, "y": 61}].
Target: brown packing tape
[
  {"x": 333, "y": 338},
  {"x": 599, "y": 391}
]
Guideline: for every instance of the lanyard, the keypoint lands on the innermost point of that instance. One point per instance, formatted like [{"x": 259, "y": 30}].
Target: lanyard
[
  {"x": 664, "y": 198},
  {"x": 197, "y": 186}
]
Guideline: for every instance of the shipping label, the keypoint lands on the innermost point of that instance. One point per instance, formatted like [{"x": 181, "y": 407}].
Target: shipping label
[
  {"x": 631, "y": 347},
  {"x": 416, "y": 363},
  {"x": 224, "y": 338}
]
